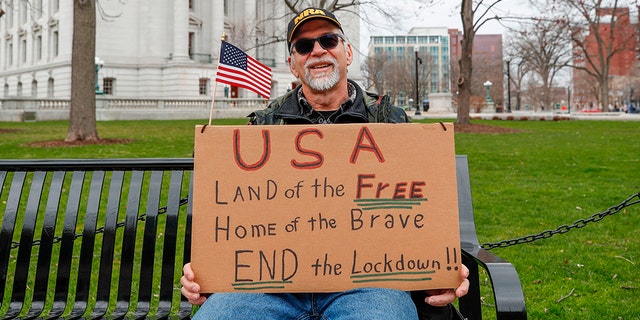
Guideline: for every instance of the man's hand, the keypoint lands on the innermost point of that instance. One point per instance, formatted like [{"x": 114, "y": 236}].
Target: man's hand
[
  {"x": 190, "y": 289},
  {"x": 442, "y": 297}
]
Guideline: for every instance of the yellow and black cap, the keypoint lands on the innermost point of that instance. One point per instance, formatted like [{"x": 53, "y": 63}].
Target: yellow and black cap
[{"x": 306, "y": 15}]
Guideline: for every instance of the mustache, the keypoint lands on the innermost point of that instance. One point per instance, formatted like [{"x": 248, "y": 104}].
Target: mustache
[{"x": 329, "y": 60}]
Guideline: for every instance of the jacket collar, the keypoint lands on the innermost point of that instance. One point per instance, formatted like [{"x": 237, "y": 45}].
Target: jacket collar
[{"x": 295, "y": 106}]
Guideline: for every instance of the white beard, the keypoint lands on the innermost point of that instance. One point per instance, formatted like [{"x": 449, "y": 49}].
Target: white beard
[{"x": 323, "y": 81}]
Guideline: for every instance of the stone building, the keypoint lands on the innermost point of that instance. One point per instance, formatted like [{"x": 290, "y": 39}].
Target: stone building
[{"x": 164, "y": 51}]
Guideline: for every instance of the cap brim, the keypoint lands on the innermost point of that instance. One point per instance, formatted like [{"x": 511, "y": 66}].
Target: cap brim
[{"x": 306, "y": 19}]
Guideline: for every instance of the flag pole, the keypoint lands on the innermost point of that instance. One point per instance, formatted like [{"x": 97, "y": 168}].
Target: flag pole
[
  {"x": 213, "y": 98},
  {"x": 215, "y": 84}
]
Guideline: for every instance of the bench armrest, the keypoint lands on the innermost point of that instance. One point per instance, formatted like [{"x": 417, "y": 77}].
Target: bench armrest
[{"x": 507, "y": 290}]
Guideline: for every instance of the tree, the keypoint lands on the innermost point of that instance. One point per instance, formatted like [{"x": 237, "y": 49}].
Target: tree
[
  {"x": 518, "y": 70},
  {"x": 373, "y": 67},
  {"x": 545, "y": 50},
  {"x": 470, "y": 26},
  {"x": 82, "y": 113}
]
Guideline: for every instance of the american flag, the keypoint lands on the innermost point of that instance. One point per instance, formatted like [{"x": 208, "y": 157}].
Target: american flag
[{"x": 237, "y": 68}]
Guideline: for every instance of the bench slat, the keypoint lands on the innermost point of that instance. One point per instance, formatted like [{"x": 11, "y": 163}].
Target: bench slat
[
  {"x": 5, "y": 240},
  {"x": 108, "y": 244},
  {"x": 28, "y": 230},
  {"x": 129, "y": 244},
  {"x": 8, "y": 226},
  {"x": 185, "y": 306},
  {"x": 169, "y": 248},
  {"x": 149, "y": 244},
  {"x": 65, "y": 258},
  {"x": 43, "y": 270},
  {"x": 83, "y": 286}
]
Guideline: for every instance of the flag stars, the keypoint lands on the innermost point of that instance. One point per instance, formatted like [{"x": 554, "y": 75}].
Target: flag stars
[{"x": 234, "y": 57}]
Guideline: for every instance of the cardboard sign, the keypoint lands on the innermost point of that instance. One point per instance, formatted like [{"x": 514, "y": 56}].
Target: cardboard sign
[{"x": 325, "y": 208}]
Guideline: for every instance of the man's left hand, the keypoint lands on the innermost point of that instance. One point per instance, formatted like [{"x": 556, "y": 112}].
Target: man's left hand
[{"x": 442, "y": 297}]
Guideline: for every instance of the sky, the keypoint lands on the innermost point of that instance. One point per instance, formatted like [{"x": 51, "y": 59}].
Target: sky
[{"x": 444, "y": 13}]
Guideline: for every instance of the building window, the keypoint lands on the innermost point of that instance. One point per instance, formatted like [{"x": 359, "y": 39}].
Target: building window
[
  {"x": 6, "y": 89},
  {"x": 203, "y": 86},
  {"x": 9, "y": 54},
  {"x": 38, "y": 48},
  {"x": 50, "y": 88},
  {"x": 54, "y": 44},
  {"x": 108, "y": 85},
  {"x": 19, "y": 89},
  {"x": 389, "y": 53},
  {"x": 23, "y": 51},
  {"x": 34, "y": 88},
  {"x": 192, "y": 36}
]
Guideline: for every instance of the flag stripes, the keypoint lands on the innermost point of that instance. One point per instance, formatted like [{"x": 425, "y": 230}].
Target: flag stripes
[{"x": 239, "y": 69}]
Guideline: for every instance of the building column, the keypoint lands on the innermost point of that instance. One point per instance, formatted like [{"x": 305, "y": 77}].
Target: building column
[
  {"x": 181, "y": 31},
  {"x": 217, "y": 26}
]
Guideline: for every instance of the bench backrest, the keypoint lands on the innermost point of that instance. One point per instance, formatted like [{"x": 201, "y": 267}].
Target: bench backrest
[
  {"x": 80, "y": 205},
  {"x": 129, "y": 219}
]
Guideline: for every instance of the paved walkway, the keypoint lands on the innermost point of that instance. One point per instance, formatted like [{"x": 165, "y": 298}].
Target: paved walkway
[{"x": 530, "y": 115}]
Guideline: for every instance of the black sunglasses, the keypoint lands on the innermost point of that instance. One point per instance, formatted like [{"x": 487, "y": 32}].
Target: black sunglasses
[{"x": 327, "y": 42}]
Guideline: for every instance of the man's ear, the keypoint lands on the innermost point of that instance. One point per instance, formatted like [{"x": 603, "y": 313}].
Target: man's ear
[
  {"x": 349, "y": 52},
  {"x": 291, "y": 67}
]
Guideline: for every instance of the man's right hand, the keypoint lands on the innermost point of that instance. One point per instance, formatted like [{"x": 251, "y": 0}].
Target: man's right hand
[{"x": 190, "y": 289}]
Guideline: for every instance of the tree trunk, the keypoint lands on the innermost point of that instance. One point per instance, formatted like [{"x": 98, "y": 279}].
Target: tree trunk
[
  {"x": 466, "y": 63},
  {"x": 604, "y": 92},
  {"x": 82, "y": 113}
]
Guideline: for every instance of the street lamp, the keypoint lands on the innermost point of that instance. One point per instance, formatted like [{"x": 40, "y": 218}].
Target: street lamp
[
  {"x": 418, "y": 61},
  {"x": 508, "y": 87},
  {"x": 490, "y": 106},
  {"x": 99, "y": 63}
]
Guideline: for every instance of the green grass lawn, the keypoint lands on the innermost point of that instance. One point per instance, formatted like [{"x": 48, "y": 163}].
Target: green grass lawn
[{"x": 549, "y": 174}]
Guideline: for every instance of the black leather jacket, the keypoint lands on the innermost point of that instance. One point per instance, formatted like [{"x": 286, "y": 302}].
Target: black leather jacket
[{"x": 366, "y": 107}]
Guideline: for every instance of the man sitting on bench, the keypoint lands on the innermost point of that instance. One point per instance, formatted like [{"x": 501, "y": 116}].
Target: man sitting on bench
[{"x": 319, "y": 56}]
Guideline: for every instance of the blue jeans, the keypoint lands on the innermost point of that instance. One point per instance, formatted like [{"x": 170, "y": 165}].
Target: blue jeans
[{"x": 367, "y": 303}]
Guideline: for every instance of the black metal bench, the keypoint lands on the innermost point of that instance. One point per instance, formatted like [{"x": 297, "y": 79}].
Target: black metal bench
[{"x": 108, "y": 238}]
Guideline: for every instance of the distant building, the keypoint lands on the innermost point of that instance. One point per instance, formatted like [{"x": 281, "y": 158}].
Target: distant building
[
  {"x": 624, "y": 75},
  {"x": 392, "y": 67},
  {"x": 487, "y": 64}
]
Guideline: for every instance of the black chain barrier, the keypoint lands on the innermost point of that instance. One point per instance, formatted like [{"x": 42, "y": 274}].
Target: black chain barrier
[
  {"x": 142, "y": 217},
  {"x": 581, "y": 223}
]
